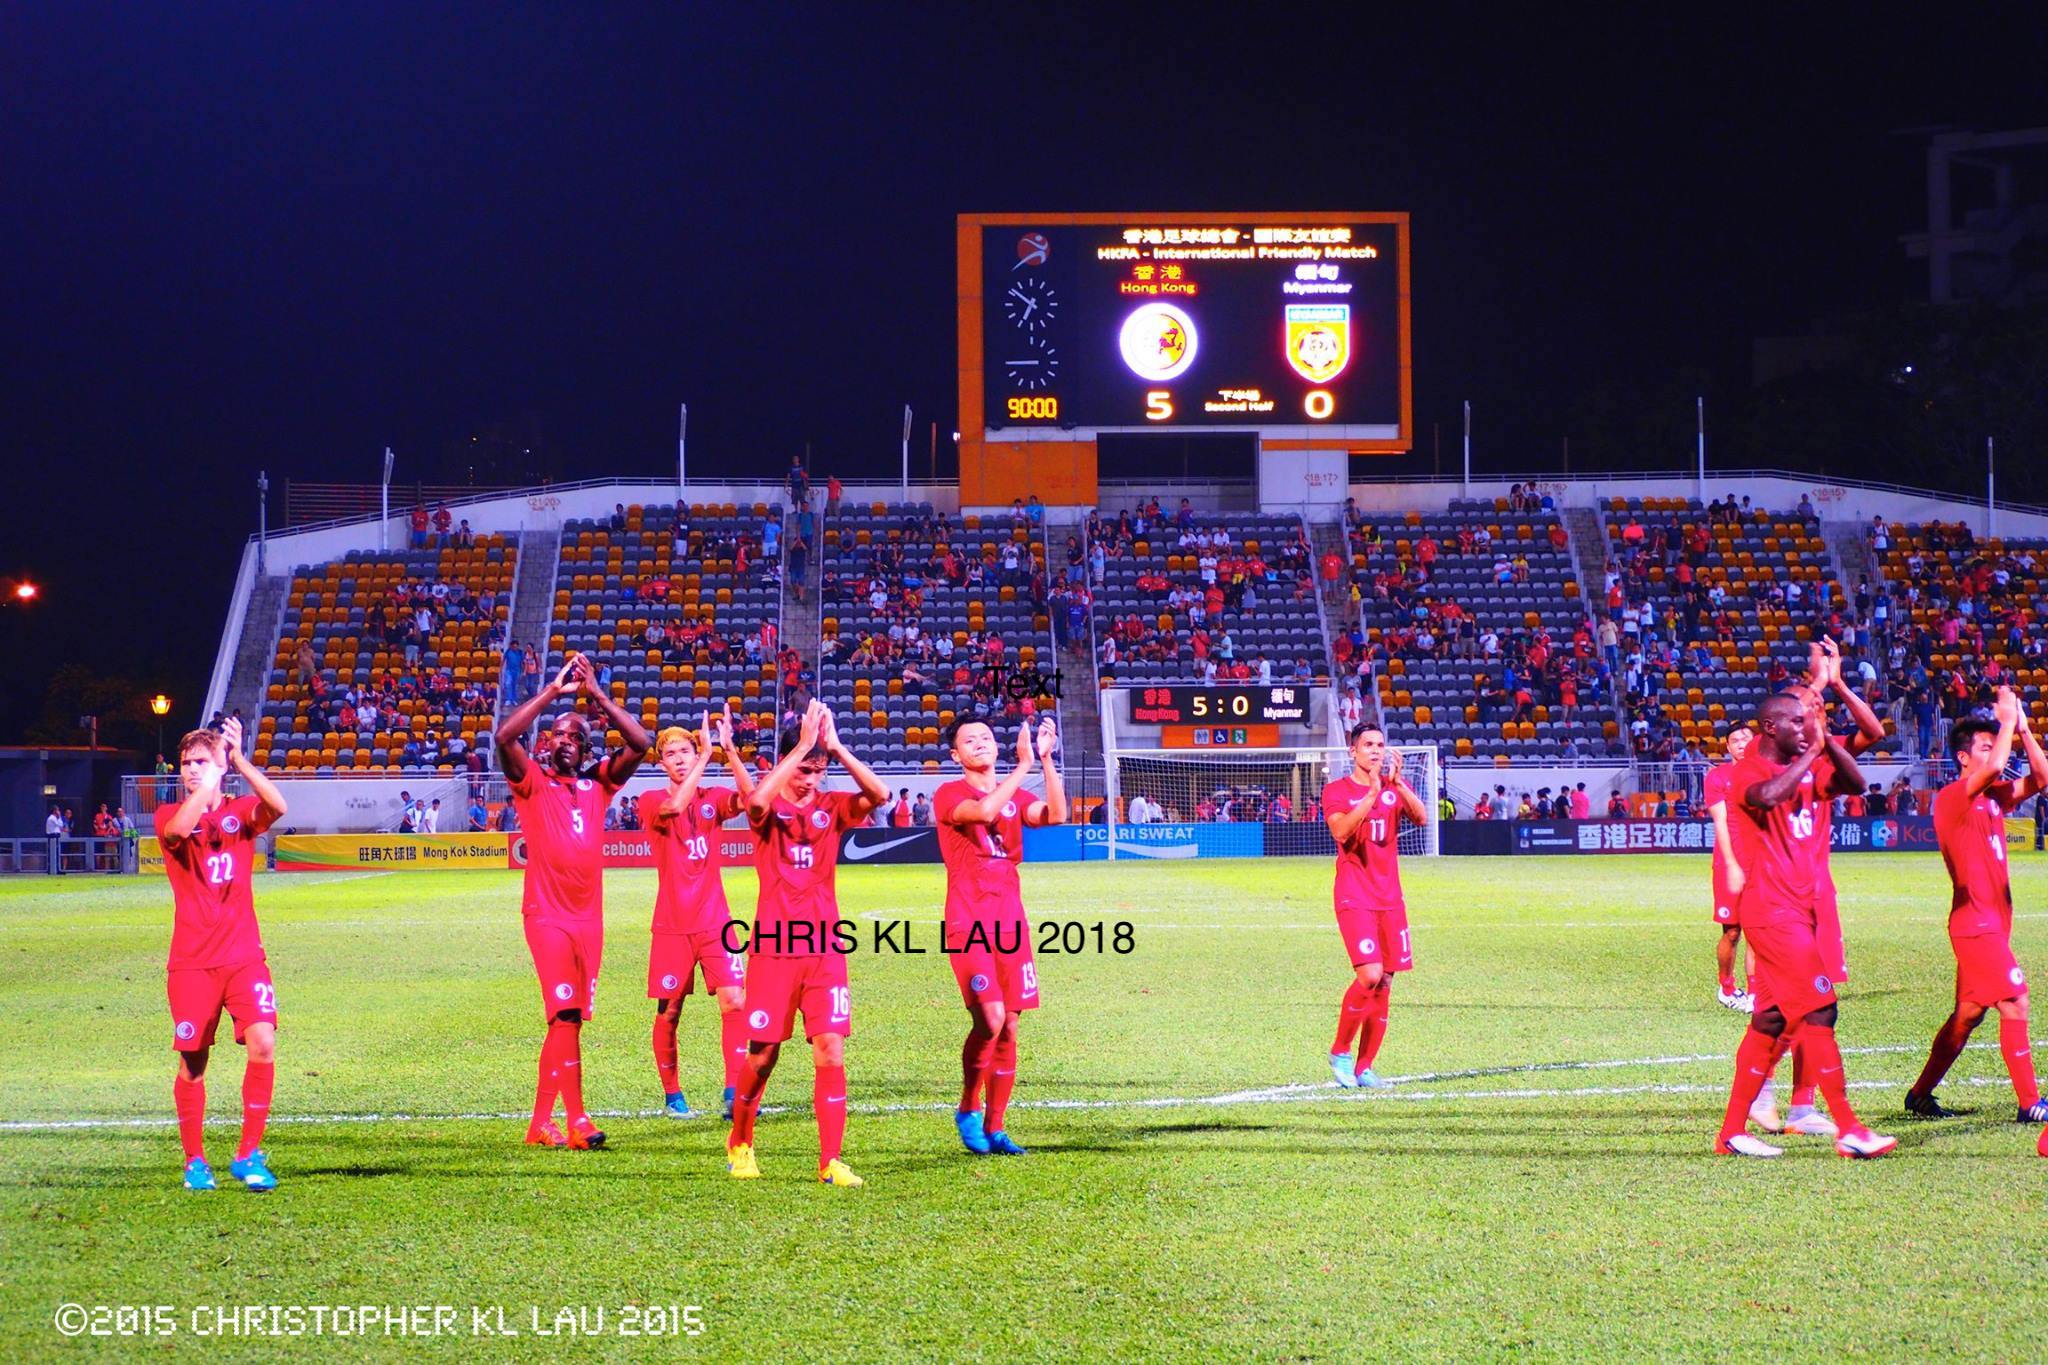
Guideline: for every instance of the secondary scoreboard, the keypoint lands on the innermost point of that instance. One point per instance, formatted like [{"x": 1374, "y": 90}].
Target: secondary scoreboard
[
  {"x": 1210, "y": 706},
  {"x": 1293, "y": 325}
]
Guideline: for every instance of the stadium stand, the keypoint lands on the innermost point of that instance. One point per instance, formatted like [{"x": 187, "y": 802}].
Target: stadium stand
[
  {"x": 356, "y": 686},
  {"x": 927, "y": 616},
  {"x": 1961, "y": 617},
  {"x": 1204, "y": 596},
  {"x": 1714, "y": 608},
  {"x": 679, "y": 616},
  {"x": 1476, "y": 633}
]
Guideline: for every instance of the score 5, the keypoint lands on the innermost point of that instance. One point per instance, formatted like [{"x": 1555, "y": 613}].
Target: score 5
[{"x": 1158, "y": 405}]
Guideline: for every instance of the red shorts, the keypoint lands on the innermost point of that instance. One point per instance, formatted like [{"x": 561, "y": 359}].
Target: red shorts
[
  {"x": 673, "y": 961},
  {"x": 1376, "y": 936},
  {"x": 566, "y": 958},
  {"x": 985, "y": 973},
  {"x": 1791, "y": 973},
  {"x": 1724, "y": 905},
  {"x": 198, "y": 994},
  {"x": 1827, "y": 929},
  {"x": 778, "y": 987},
  {"x": 1986, "y": 971}
]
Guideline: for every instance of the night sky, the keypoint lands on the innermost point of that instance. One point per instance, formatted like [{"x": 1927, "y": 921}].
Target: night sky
[{"x": 287, "y": 235}]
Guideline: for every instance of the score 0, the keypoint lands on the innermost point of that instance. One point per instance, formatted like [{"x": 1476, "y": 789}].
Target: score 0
[{"x": 1318, "y": 404}]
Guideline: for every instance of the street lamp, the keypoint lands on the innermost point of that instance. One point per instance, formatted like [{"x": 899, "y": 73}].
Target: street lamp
[
  {"x": 160, "y": 704},
  {"x": 23, "y": 592}
]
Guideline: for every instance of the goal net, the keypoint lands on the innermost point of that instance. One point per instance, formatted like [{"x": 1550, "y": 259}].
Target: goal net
[{"x": 1275, "y": 793}]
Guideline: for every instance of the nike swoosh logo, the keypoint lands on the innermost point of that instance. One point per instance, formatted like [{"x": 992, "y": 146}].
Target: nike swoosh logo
[{"x": 855, "y": 852}]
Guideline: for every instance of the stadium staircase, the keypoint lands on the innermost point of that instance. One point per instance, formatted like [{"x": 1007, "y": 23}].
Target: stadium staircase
[
  {"x": 256, "y": 648},
  {"x": 533, "y": 593},
  {"x": 800, "y": 619},
  {"x": 1851, "y": 555},
  {"x": 1080, "y": 716},
  {"x": 1588, "y": 534},
  {"x": 1328, "y": 539}
]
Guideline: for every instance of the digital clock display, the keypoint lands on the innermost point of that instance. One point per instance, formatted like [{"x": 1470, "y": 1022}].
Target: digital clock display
[{"x": 1219, "y": 705}]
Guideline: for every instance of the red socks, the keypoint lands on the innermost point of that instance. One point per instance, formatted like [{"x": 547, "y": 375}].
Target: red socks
[
  {"x": 561, "y": 1072},
  {"x": 1376, "y": 1003},
  {"x": 1819, "y": 1043},
  {"x": 1728, "y": 981},
  {"x": 1752, "y": 1069},
  {"x": 732, "y": 1040},
  {"x": 1002, "y": 1078},
  {"x": 828, "y": 1099},
  {"x": 258, "y": 1079},
  {"x": 1350, "y": 1016},
  {"x": 1802, "y": 1072},
  {"x": 746, "y": 1106},
  {"x": 190, "y": 1099},
  {"x": 665, "y": 1052},
  {"x": 2019, "y": 1059},
  {"x": 977, "y": 1056},
  {"x": 1948, "y": 1045}
]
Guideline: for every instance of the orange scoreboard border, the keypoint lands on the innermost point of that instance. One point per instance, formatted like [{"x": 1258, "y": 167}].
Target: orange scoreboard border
[{"x": 968, "y": 247}]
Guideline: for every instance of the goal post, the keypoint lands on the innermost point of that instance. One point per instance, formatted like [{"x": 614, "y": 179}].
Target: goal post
[{"x": 1278, "y": 790}]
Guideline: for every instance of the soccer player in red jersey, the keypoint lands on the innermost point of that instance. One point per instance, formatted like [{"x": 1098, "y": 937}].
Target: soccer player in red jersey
[
  {"x": 1969, "y": 821},
  {"x": 561, "y": 816},
  {"x": 690, "y": 912},
  {"x": 1728, "y": 876},
  {"x": 796, "y": 958},
  {"x": 1793, "y": 767},
  {"x": 1364, "y": 811},
  {"x": 988, "y": 936},
  {"x": 217, "y": 959}
]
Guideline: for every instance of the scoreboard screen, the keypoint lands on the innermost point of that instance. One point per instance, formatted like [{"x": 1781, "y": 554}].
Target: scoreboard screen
[
  {"x": 1212, "y": 706},
  {"x": 1198, "y": 321}
]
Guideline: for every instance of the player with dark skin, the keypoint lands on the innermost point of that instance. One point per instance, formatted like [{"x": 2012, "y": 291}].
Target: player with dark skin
[
  {"x": 1789, "y": 729},
  {"x": 564, "y": 747}
]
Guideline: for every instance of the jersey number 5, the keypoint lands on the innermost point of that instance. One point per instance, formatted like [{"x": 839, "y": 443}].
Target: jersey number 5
[{"x": 576, "y": 822}]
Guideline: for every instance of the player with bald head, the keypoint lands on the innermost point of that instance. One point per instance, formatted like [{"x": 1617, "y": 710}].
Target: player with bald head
[
  {"x": 1793, "y": 768},
  {"x": 561, "y": 798}
]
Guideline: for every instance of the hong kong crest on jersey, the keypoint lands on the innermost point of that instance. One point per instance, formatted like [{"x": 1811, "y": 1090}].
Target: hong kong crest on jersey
[
  {"x": 707, "y": 810},
  {"x": 1318, "y": 339},
  {"x": 977, "y": 982},
  {"x": 819, "y": 819},
  {"x": 230, "y": 824},
  {"x": 758, "y": 1019},
  {"x": 583, "y": 784},
  {"x": 1386, "y": 798},
  {"x": 1009, "y": 810}
]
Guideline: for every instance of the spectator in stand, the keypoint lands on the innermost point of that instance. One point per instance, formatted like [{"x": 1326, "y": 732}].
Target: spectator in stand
[
  {"x": 833, "y": 489},
  {"x": 618, "y": 521},
  {"x": 465, "y": 538},
  {"x": 419, "y": 526},
  {"x": 1035, "y": 510},
  {"x": 798, "y": 482},
  {"x": 443, "y": 523}
]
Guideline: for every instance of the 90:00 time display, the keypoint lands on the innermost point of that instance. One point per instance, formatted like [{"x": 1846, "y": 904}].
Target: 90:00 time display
[{"x": 1041, "y": 407}]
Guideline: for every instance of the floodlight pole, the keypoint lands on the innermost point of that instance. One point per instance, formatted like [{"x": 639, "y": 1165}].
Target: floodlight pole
[
  {"x": 682, "y": 449},
  {"x": 1990, "y": 488},
  {"x": 384, "y": 523},
  {"x": 262, "y": 516},
  {"x": 1701, "y": 401},
  {"x": 1468, "y": 447},
  {"x": 906, "y": 452}
]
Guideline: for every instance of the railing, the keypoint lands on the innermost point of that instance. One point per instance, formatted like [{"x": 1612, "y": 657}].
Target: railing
[
  {"x": 1688, "y": 475},
  {"x": 57, "y": 856}
]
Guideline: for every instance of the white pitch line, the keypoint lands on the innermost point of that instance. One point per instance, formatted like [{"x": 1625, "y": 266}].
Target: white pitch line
[{"x": 1292, "y": 1092}]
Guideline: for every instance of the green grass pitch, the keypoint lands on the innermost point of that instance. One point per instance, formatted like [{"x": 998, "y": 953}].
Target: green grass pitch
[{"x": 1541, "y": 1185}]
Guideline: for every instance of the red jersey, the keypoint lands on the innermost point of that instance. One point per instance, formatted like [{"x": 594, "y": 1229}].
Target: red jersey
[
  {"x": 1784, "y": 851},
  {"x": 797, "y": 857},
  {"x": 1972, "y": 837},
  {"x": 1369, "y": 867},
  {"x": 981, "y": 860},
  {"x": 562, "y": 820},
  {"x": 212, "y": 872},
  {"x": 692, "y": 895},
  {"x": 1713, "y": 789}
]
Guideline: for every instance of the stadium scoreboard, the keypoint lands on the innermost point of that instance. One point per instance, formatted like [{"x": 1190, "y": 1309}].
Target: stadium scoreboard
[
  {"x": 1093, "y": 323},
  {"x": 1220, "y": 706}
]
